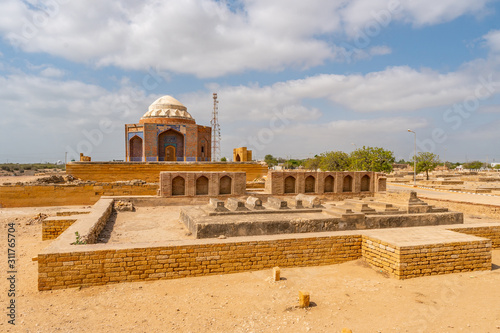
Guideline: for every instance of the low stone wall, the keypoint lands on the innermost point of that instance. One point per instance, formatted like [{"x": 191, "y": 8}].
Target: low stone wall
[
  {"x": 423, "y": 260},
  {"x": 88, "y": 226},
  {"x": 484, "y": 230},
  {"x": 61, "y": 195},
  {"x": 149, "y": 171},
  {"x": 52, "y": 227},
  {"x": 468, "y": 208},
  {"x": 85, "y": 265}
]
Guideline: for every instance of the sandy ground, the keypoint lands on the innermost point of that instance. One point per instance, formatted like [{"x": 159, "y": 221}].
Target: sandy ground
[
  {"x": 349, "y": 295},
  {"x": 150, "y": 224},
  {"x": 16, "y": 179}
]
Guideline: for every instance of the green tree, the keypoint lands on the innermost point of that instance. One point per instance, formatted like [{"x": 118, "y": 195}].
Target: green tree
[
  {"x": 223, "y": 159},
  {"x": 427, "y": 161},
  {"x": 372, "y": 159},
  {"x": 473, "y": 165},
  {"x": 335, "y": 161},
  {"x": 313, "y": 163},
  {"x": 293, "y": 164},
  {"x": 497, "y": 167},
  {"x": 270, "y": 160}
]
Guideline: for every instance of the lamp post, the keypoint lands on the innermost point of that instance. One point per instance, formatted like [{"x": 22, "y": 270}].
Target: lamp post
[{"x": 414, "y": 160}]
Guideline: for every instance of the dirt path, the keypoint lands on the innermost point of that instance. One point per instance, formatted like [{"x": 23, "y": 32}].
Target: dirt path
[{"x": 348, "y": 295}]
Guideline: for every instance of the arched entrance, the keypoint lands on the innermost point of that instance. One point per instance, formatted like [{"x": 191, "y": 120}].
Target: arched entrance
[
  {"x": 290, "y": 184},
  {"x": 202, "y": 186},
  {"x": 171, "y": 146},
  {"x": 225, "y": 185},
  {"x": 178, "y": 186},
  {"x": 310, "y": 185},
  {"x": 365, "y": 183},
  {"x": 238, "y": 159},
  {"x": 135, "y": 149},
  {"x": 170, "y": 153},
  {"x": 329, "y": 181},
  {"x": 347, "y": 186}
]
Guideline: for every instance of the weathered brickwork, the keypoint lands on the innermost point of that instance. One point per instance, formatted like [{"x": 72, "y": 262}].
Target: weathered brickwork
[
  {"x": 169, "y": 134},
  {"x": 423, "y": 260},
  {"x": 486, "y": 231},
  {"x": 60, "y": 195},
  {"x": 202, "y": 183},
  {"x": 242, "y": 154},
  {"x": 313, "y": 182},
  {"x": 122, "y": 171},
  {"x": 52, "y": 227},
  {"x": 89, "y": 268}
]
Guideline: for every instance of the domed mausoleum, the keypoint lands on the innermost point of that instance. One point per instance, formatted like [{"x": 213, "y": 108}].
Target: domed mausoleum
[{"x": 167, "y": 132}]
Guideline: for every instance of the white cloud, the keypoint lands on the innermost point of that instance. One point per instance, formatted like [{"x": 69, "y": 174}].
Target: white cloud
[
  {"x": 207, "y": 38},
  {"x": 380, "y": 50},
  {"x": 52, "y": 72},
  {"x": 44, "y": 116},
  {"x": 492, "y": 39},
  {"x": 395, "y": 89}
]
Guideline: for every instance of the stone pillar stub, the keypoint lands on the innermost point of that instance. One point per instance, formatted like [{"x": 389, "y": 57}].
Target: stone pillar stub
[
  {"x": 277, "y": 203},
  {"x": 254, "y": 203},
  {"x": 235, "y": 204}
]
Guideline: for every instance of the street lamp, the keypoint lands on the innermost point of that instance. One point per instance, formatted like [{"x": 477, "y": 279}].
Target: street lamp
[{"x": 414, "y": 160}]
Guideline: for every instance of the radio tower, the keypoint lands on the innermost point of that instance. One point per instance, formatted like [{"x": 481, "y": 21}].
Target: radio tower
[{"x": 215, "y": 131}]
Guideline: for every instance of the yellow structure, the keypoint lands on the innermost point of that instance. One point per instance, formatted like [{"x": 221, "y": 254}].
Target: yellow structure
[{"x": 242, "y": 154}]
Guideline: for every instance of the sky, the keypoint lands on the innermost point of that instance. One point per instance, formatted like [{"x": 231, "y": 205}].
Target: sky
[{"x": 293, "y": 78}]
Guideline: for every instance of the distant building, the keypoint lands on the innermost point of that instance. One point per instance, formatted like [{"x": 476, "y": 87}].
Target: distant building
[
  {"x": 167, "y": 132},
  {"x": 242, "y": 154}
]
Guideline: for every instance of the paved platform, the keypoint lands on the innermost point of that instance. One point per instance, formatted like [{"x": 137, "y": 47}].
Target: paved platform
[
  {"x": 414, "y": 252},
  {"x": 445, "y": 195},
  {"x": 419, "y": 236}
]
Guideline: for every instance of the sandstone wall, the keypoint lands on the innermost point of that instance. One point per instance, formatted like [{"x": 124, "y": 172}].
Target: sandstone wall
[
  {"x": 324, "y": 182},
  {"x": 150, "y": 171},
  {"x": 52, "y": 227},
  {"x": 422, "y": 260},
  {"x": 202, "y": 183},
  {"x": 83, "y": 266},
  {"x": 61, "y": 195}
]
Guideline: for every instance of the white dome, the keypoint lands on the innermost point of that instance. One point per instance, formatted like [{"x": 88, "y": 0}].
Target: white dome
[{"x": 167, "y": 107}]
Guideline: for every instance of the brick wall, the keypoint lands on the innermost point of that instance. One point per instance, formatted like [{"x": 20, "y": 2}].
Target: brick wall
[
  {"x": 82, "y": 266},
  {"x": 278, "y": 182},
  {"x": 169, "y": 181},
  {"x": 60, "y": 195},
  {"x": 484, "y": 230},
  {"x": 423, "y": 260},
  {"x": 52, "y": 227},
  {"x": 149, "y": 172}
]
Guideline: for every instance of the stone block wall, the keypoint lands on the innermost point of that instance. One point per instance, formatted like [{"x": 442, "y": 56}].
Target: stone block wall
[
  {"x": 82, "y": 266},
  {"x": 149, "y": 172},
  {"x": 202, "y": 183},
  {"x": 324, "y": 182},
  {"x": 60, "y": 195},
  {"x": 52, "y": 227},
  {"x": 423, "y": 260},
  {"x": 483, "y": 230}
]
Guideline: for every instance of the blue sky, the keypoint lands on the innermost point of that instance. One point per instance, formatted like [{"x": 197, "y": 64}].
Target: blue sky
[{"x": 294, "y": 78}]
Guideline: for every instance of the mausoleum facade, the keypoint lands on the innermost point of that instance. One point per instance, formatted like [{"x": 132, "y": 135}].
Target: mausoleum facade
[{"x": 167, "y": 132}]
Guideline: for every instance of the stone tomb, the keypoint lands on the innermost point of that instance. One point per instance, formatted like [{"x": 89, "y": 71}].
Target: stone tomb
[
  {"x": 409, "y": 253},
  {"x": 276, "y": 216}
]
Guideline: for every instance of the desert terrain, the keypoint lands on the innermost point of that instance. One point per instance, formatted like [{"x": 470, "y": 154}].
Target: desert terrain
[{"x": 351, "y": 295}]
